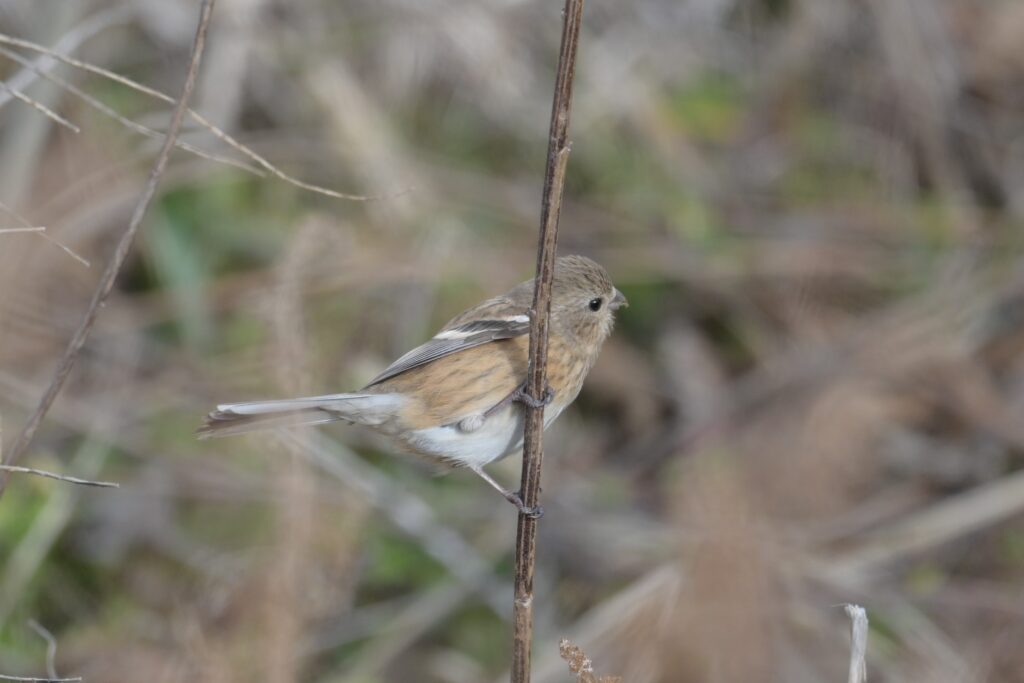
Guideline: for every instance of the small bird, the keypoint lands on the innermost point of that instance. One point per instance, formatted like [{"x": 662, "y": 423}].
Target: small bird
[{"x": 457, "y": 400}]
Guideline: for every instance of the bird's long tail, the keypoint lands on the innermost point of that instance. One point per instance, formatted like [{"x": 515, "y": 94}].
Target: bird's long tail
[{"x": 239, "y": 418}]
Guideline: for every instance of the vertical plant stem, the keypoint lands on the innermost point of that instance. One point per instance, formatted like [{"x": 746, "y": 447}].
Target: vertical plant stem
[
  {"x": 106, "y": 283},
  {"x": 536, "y": 382}
]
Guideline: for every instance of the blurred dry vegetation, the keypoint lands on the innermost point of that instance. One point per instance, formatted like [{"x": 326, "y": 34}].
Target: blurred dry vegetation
[{"x": 816, "y": 396}]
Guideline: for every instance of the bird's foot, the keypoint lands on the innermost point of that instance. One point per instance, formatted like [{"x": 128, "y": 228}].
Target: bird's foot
[
  {"x": 535, "y": 512},
  {"x": 521, "y": 396}
]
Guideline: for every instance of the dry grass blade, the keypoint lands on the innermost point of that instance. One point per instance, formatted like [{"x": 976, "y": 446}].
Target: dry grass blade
[
  {"x": 60, "y": 477},
  {"x": 70, "y": 42},
  {"x": 951, "y": 518},
  {"x": 51, "y": 647},
  {"x": 51, "y": 475},
  {"x": 120, "y": 254},
  {"x": 196, "y": 116},
  {"x": 65, "y": 248},
  {"x": 40, "y": 107},
  {"x": 28, "y": 227},
  {"x": 858, "y": 643},
  {"x": 31, "y": 679},
  {"x": 27, "y": 554},
  {"x": 126, "y": 122}
]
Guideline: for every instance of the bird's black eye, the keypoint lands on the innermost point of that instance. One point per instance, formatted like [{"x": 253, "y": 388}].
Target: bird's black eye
[{"x": 595, "y": 304}]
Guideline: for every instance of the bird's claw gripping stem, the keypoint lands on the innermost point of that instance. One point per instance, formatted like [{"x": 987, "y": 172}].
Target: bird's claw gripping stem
[
  {"x": 535, "y": 512},
  {"x": 521, "y": 396}
]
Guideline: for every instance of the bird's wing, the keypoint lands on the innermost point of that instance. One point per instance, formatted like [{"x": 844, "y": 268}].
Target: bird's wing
[{"x": 499, "y": 318}]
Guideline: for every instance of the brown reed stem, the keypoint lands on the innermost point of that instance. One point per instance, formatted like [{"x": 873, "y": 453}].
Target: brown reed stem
[
  {"x": 536, "y": 382},
  {"x": 106, "y": 283}
]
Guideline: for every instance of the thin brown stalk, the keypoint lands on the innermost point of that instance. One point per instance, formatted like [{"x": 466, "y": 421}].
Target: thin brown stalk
[
  {"x": 106, "y": 283},
  {"x": 536, "y": 381}
]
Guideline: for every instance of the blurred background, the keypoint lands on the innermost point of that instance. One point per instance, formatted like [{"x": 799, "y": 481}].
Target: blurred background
[{"x": 815, "y": 397}]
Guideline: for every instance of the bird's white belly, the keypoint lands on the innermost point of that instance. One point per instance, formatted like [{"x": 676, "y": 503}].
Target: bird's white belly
[{"x": 499, "y": 435}]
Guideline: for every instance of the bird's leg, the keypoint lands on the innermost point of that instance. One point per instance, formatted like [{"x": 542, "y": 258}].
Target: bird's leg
[
  {"x": 519, "y": 394},
  {"x": 523, "y": 397},
  {"x": 510, "y": 496}
]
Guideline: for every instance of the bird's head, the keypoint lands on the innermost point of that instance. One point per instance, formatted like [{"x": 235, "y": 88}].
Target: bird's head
[{"x": 584, "y": 300}]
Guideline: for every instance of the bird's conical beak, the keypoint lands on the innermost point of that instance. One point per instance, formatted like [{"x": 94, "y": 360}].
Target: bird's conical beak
[{"x": 618, "y": 301}]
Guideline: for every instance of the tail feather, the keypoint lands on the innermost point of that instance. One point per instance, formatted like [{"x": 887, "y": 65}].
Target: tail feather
[
  {"x": 240, "y": 418},
  {"x": 219, "y": 424},
  {"x": 328, "y": 402}
]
